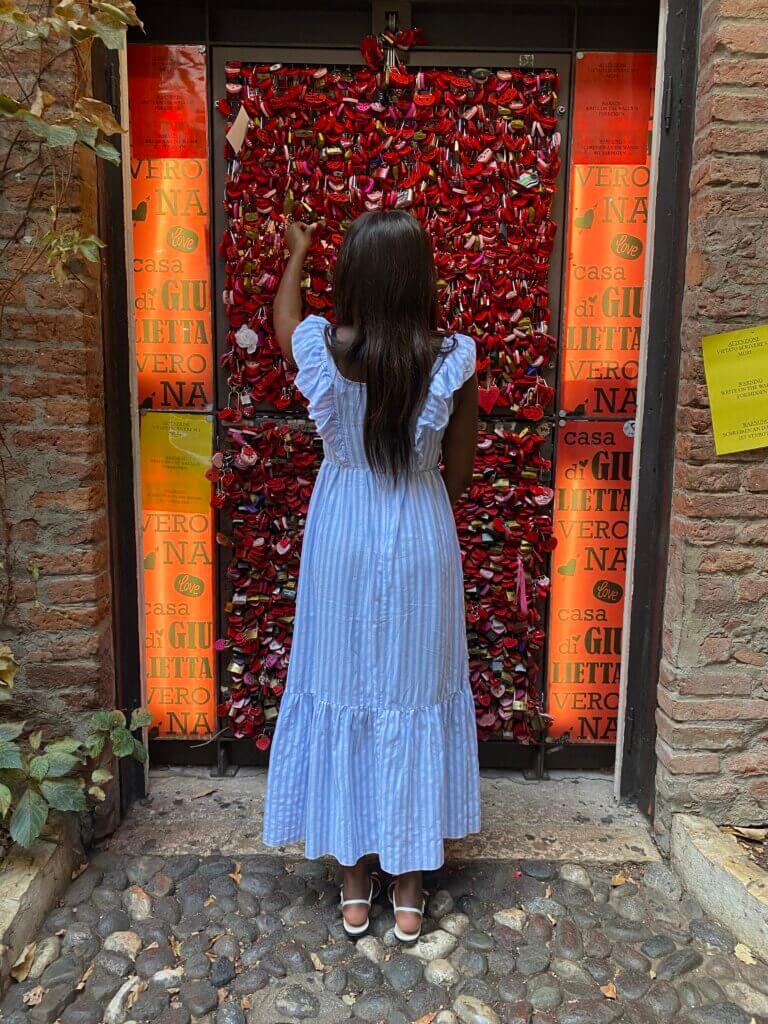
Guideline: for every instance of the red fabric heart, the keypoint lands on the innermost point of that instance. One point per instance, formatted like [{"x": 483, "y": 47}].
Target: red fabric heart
[{"x": 487, "y": 398}]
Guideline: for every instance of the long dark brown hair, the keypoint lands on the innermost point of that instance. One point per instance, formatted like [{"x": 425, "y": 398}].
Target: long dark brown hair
[{"x": 384, "y": 287}]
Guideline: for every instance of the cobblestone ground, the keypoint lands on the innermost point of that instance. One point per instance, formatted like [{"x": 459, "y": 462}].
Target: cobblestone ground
[{"x": 259, "y": 941}]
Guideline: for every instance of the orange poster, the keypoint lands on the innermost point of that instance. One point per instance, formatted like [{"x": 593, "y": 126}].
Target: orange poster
[
  {"x": 170, "y": 213},
  {"x": 591, "y": 515},
  {"x": 178, "y": 547},
  {"x": 607, "y": 224}
]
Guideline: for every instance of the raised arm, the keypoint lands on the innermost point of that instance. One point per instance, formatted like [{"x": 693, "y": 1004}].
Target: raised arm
[
  {"x": 287, "y": 308},
  {"x": 460, "y": 440}
]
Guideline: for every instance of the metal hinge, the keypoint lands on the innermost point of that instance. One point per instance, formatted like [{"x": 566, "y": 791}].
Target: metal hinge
[
  {"x": 629, "y": 729},
  {"x": 668, "y": 96}
]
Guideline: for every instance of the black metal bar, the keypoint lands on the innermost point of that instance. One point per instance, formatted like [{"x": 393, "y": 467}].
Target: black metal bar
[
  {"x": 119, "y": 466},
  {"x": 657, "y": 428}
]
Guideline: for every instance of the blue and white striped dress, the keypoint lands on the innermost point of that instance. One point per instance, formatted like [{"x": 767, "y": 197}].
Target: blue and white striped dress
[{"x": 375, "y": 749}]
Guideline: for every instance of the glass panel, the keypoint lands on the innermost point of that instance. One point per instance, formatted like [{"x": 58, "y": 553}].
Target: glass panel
[
  {"x": 170, "y": 214},
  {"x": 178, "y": 544},
  {"x": 593, "y": 471}
]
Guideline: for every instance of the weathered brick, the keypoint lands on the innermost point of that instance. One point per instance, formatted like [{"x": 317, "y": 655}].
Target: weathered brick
[
  {"x": 694, "y": 736},
  {"x": 688, "y": 762},
  {"x": 750, "y": 657},
  {"x": 702, "y": 709},
  {"x": 745, "y": 37},
  {"x": 73, "y": 499},
  {"x": 753, "y": 588},
  {"x": 725, "y": 560},
  {"x": 752, "y": 763},
  {"x": 740, "y": 71},
  {"x": 720, "y": 683}
]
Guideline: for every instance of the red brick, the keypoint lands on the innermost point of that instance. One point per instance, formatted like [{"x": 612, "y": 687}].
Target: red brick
[
  {"x": 753, "y": 588},
  {"x": 73, "y": 439},
  {"x": 71, "y": 412},
  {"x": 75, "y": 673},
  {"x": 740, "y": 37},
  {"x": 71, "y": 561},
  {"x": 729, "y": 170},
  {"x": 67, "y": 647},
  {"x": 717, "y": 506},
  {"x": 74, "y": 499},
  {"x": 740, "y": 71},
  {"x": 707, "y": 478},
  {"x": 716, "y": 684},
  {"x": 751, "y": 763},
  {"x": 75, "y": 590},
  {"x": 743, "y": 8},
  {"x": 701, "y": 709},
  {"x": 756, "y": 478},
  {"x": 749, "y": 657},
  {"x": 688, "y": 763},
  {"x": 17, "y": 412},
  {"x": 742, "y": 106},
  {"x": 690, "y": 735},
  {"x": 67, "y": 618},
  {"x": 724, "y": 560},
  {"x": 39, "y": 386},
  {"x": 69, "y": 468},
  {"x": 716, "y": 649},
  {"x": 758, "y": 789}
]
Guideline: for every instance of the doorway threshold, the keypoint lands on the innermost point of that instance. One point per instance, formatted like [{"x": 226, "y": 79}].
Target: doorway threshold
[{"x": 570, "y": 817}]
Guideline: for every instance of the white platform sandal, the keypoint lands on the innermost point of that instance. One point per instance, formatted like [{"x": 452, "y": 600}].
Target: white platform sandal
[
  {"x": 399, "y": 933},
  {"x": 354, "y": 931}
]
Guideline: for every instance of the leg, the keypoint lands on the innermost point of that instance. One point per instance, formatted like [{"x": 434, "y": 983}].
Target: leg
[
  {"x": 409, "y": 893},
  {"x": 356, "y": 884}
]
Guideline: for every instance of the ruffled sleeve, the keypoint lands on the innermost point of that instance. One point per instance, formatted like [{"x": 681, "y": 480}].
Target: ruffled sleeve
[
  {"x": 314, "y": 378},
  {"x": 452, "y": 370}
]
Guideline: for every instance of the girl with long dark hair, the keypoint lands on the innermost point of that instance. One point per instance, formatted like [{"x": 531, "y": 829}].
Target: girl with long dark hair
[{"x": 375, "y": 750}]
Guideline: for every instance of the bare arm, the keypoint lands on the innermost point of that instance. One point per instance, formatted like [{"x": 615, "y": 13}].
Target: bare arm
[
  {"x": 460, "y": 440},
  {"x": 287, "y": 308}
]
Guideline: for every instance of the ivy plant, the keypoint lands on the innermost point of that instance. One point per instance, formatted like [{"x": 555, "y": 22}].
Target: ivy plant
[{"x": 63, "y": 774}]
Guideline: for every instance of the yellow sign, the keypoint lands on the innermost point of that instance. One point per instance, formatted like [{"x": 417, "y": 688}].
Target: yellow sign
[
  {"x": 178, "y": 540},
  {"x": 736, "y": 366}
]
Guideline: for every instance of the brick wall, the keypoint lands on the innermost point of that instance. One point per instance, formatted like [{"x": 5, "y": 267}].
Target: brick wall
[
  {"x": 713, "y": 687},
  {"x": 57, "y": 618}
]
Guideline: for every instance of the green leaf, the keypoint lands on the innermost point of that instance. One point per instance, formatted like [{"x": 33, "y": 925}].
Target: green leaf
[
  {"x": 101, "y": 775},
  {"x": 34, "y": 739},
  {"x": 38, "y": 767},
  {"x": 64, "y": 745},
  {"x": 109, "y": 27},
  {"x": 107, "y": 151},
  {"x": 60, "y": 764},
  {"x": 101, "y": 721},
  {"x": 10, "y": 755},
  {"x": 122, "y": 742},
  {"x": 28, "y": 818},
  {"x": 97, "y": 793},
  {"x": 89, "y": 248},
  {"x": 10, "y": 730},
  {"x": 139, "y": 751},
  {"x": 64, "y": 794},
  {"x": 122, "y": 9},
  {"x": 5, "y": 799},
  {"x": 95, "y": 743},
  {"x": 140, "y": 719},
  {"x": 116, "y": 717}
]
